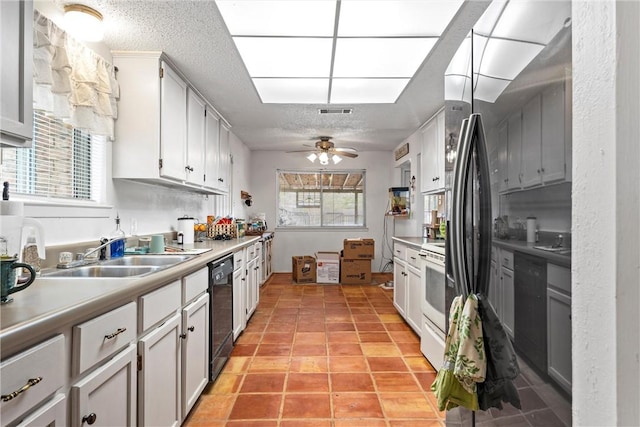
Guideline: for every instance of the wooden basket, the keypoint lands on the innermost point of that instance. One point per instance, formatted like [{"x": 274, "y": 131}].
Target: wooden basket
[{"x": 218, "y": 229}]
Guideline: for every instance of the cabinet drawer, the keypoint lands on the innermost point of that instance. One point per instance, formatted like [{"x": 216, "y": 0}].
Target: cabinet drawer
[
  {"x": 103, "y": 336},
  {"x": 251, "y": 252},
  {"x": 238, "y": 259},
  {"x": 257, "y": 249},
  {"x": 194, "y": 284},
  {"x": 34, "y": 375},
  {"x": 399, "y": 250},
  {"x": 51, "y": 414},
  {"x": 506, "y": 259},
  {"x": 559, "y": 277},
  {"x": 159, "y": 304},
  {"x": 413, "y": 258}
]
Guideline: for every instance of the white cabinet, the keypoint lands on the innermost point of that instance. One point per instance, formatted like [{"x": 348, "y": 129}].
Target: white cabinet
[
  {"x": 159, "y": 377},
  {"x": 531, "y": 169},
  {"x": 196, "y": 130},
  {"x": 259, "y": 264},
  {"x": 31, "y": 377},
  {"x": 514, "y": 151},
  {"x": 52, "y": 414},
  {"x": 252, "y": 287},
  {"x": 239, "y": 303},
  {"x": 400, "y": 286},
  {"x": 503, "y": 152},
  {"x": 408, "y": 288},
  {"x": 414, "y": 299},
  {"x": 161, "y": 131},
  {"x": 195, "y": 351},
  {"x": 554, "y": 141},
  {"x": 107, "y": 396},
  {"x": 559, "y": 325},
  {"x": 433, "y": 153},
  {"x": 16, "y": 73},
  {"x": 508, "y": 292},
  {"x": 495, "y": 286},
  {"x": 224, "y": 160},
  {"x": 212, "y": 149}
]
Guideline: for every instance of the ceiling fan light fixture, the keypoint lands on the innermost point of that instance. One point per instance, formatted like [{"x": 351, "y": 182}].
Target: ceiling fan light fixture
[
  {"x": 324, "y": 158},
  {"x": 312, "y": 157},
  {"x": 83, "y": 22},
  {"x": 336, "y": 159}
]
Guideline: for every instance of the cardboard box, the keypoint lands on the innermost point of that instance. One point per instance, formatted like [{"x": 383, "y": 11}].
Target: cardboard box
[
  {"x": 355, "y": 271},
  {"x": 303, "y": 269},
  {"x": 358, "y": 249},
  {"x": 328, "y": 267}
]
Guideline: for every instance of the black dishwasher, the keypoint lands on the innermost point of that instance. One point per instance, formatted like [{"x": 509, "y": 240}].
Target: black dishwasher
[
  {"x": 221, "y": 315},
  {"x": 530, "y": 307}
]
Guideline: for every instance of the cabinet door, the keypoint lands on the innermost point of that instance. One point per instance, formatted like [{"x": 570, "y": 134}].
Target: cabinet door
[
  {"x": 514, "y": 152},
  {"x": 108, "y": 395},
  {"x": 52, "y": 414},
  {"x": 503, "y": 144},
  {"x": 173, "y": 124},
  {"x": 495, "y": 289},
  {"x": 559, "y": 337},
  {"x": 195, "y": 169},
  {"x": 508, "y": 301},
  {"x": 531, "y": 166},
  {"x": 440, "y": 150},
  {"x": 224, "y": 159},
  {"x": 252, "y": 297},
  {"x": 239, "y": 302},
  {"x": 16, "y": 75},
  {"x": 400, "y": 286},
  {"x": 195, "y": 351},
  {"x": 212, "y": 149},
  {"x": 414, "y": 299},
  {"x": 553, "y": 130},
  {"x": 430, "y": 156},
  {"x": 159, "y": 378}
]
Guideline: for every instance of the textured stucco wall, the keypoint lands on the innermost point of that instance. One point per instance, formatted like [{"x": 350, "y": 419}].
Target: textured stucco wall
[{"x": 605, "y": 204}]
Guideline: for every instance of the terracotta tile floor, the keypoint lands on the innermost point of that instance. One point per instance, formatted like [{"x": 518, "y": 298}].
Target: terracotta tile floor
[{"x": 322, "y": 356}]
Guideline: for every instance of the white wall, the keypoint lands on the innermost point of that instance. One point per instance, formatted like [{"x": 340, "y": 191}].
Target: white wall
[
  {"x": 606, "y": 220},
  {"x": 288, "y": 243},
  {"x": 241, "y": 172},
  {"x": 413, "y": 225}
]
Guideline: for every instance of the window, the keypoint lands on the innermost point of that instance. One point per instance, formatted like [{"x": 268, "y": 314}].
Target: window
[
  {"x": 62, "y": 163},
  {"x": 321, "y": 198}
]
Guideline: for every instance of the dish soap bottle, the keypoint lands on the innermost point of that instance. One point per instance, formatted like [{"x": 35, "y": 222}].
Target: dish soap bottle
[{"x": 117, "y": 248}]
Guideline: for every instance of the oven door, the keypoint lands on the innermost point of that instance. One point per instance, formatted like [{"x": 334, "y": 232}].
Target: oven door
[{"x": 433, "y": 305}]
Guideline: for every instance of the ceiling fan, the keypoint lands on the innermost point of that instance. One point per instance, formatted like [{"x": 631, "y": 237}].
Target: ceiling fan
[{"x": 325, "y": 149}]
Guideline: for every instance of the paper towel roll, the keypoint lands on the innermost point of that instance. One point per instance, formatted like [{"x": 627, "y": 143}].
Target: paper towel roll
[{"x": 531, "y": 229}]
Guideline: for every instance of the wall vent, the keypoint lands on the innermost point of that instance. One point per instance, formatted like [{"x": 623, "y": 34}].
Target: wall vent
[{"x": 335, "y": 110}]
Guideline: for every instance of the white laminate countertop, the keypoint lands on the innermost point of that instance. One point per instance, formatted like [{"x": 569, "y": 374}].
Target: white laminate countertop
[{"x": 52, "y": 302}]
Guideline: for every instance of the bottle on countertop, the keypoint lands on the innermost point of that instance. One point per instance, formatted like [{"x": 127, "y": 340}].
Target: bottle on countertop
[
  {"x": 30, "y": 253},
  {"x": 117, "y": 248}
]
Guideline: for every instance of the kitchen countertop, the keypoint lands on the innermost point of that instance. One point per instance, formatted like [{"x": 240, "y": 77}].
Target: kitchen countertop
[
  {"x": 52, "y": 302},
  {"x": 513, "y": 245}
]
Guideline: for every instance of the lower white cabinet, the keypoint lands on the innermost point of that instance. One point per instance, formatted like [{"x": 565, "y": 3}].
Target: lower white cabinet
[
  {"x": 400, "y": 286},
  {"x": 239, "y": 302},
  {"x": 159, "y": 353},
  {"x": 195, "y": 351},
  {"x": 508, "y": 295},
  {"x": 415, "y": 292},
  {"x": 52, "y": 414},
  {"x": 253, "y": 282},
  {"x": 559, "y": 325},
  {"x": 107, "y": 396}
]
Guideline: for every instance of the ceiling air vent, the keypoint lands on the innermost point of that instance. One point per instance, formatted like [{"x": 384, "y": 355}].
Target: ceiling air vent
[{"x": 335, "y": 110}]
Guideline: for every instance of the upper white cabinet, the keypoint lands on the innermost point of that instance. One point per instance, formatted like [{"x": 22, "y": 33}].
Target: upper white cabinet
[
  {"x": 433, "y": 154},
  {"x": 16, "y": 75},
  {"x": 534, "y": 143},
  {"x": 224, "y": 160},
  {"x": 166, "y": 132}
]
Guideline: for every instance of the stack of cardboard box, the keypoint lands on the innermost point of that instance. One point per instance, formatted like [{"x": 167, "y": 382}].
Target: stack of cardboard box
[
  {"x": 355, "y": 262},
  {"x": 304, "y": 269}
]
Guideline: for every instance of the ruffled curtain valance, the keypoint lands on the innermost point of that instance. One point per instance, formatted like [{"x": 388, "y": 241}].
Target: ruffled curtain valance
[{"x": 71, "y": 81}]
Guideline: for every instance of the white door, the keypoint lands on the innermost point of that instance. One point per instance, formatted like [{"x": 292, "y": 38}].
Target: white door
[
  {"x": 252, "y": 300},
  {"x": 514, "y": 151},
  {"x": 508, "y": 301},
  {"x": 429, "y": 156},
  {"x": 195, "y": 167},
  {"x": 159, "y": 378},
  {"x": 52, "y": 414},
  {"x": 399, "y": 286},
  {"x": 107, "y": 397},
  {"x": 553, "y": 128},
  {"x": 224, "y": 160},
  {"x": 173, "y": 124},
  {"x": 414, "y": 299},
  {"x": 239, "y": 302},
  {"x": 212, "y": 149},
  {"x": 531, "y": 143},
  {"x": 195, "y": 351}
]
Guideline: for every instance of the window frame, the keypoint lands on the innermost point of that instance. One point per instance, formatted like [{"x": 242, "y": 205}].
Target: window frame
[{"x": 321, "y": 227}]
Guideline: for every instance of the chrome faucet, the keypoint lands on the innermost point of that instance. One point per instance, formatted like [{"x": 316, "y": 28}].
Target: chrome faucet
[{"x": 81, "y": 258}]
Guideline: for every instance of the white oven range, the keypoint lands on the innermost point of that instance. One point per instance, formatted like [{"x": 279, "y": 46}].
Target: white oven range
[{"x": 433, "y": 326}]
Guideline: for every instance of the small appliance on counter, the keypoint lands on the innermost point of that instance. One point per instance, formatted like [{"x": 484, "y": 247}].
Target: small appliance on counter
[{"x": 185, "y": 229}]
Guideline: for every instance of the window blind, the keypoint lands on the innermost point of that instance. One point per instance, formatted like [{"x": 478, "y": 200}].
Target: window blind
[{"x": 62, "y": 163}]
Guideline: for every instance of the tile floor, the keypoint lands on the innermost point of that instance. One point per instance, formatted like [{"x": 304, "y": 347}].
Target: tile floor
[{"x": 327, "y": 356}]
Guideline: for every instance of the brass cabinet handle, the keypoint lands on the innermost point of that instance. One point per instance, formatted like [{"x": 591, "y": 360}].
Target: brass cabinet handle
[
  {"x": 89, "y": 419},
  {"x": 115, "y": 334},
  {"x": 30, "y": 383}
]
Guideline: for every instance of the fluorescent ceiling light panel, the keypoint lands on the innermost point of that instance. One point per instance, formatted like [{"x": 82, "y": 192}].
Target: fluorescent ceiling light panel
[
  {"x": 395, "y": 17},
  {"x": 395, "y": 57},
  {"x": 529, "y": 21},
  {"x": 457, "y": 88},
  {"x": 366, "y": 91},
  {"x": 461, "y": 61},
  {"x": 488, "y": 20},
  {"x": 285, "y": 57},
  {"x": 489, "y": 89},
  {"x": 278, "y": 18},
  {"x": 292, "y": 91},
  {"x": 505, "y": 59}
]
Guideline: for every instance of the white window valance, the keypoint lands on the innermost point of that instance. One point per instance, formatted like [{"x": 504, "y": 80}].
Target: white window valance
[{"x": 71, "y": 81}]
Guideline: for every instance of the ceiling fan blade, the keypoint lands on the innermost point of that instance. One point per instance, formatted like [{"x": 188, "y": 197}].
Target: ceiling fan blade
[
  {"x": 343, "y": 153},
  {"x": 346, "y": 149},
  {"x": 302, "y": 151}
]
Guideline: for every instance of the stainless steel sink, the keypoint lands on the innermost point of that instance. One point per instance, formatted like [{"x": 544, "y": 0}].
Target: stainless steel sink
[
  {"x": 106, "y": 271},
  {"x": 558, "y": 250},
  {"x": 148, "y": 260}
]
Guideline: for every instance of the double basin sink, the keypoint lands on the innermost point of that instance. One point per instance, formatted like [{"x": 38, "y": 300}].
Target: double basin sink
[{"x": 128, "y": 266}]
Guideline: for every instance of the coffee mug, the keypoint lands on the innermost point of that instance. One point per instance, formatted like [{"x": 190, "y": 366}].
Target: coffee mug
[
  {"x": 157, "y": 244},
  {"x": 9, "y": 278}
]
